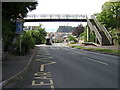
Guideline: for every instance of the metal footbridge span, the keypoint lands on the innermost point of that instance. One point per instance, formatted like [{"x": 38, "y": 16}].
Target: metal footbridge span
[
  {"x": 102, "y": 35},
  {"x": 55, "y": 17}
]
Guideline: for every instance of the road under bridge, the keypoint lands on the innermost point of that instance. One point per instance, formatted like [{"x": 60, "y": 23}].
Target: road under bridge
[{"x": 102, "y": 35}]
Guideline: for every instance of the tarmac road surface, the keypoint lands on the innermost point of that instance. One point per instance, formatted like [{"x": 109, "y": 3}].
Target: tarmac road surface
[{"x": 59, "y": 66}]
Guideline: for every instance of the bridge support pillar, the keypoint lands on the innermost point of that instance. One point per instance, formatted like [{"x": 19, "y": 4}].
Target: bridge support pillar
[{"x": 88, "y": 33}]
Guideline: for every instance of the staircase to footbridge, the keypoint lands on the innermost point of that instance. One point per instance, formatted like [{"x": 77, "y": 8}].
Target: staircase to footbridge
[{"x": 103, "y": 37}]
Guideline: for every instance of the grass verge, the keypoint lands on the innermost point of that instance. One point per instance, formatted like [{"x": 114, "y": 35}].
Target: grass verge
[{"x": 101, "y": 50}]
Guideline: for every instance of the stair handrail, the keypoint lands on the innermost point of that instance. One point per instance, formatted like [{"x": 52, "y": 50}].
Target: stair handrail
[
  {"x": 96, "y": 21},
  {"x": 107, "y": 34},
  {"x": 102, "y": 28},
  {"x": 89, "y": 24},
  {"x": 93, "y": 28},
  {"x": 98, "y": 34}
]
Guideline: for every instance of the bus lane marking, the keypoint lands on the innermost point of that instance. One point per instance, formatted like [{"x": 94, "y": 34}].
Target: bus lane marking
[{"x": 43, "y": 78}]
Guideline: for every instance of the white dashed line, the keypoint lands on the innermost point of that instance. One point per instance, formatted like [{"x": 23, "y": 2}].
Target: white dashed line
[{"x": 96, "y": 61}]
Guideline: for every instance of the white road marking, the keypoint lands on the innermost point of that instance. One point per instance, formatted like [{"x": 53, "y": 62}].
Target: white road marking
[
  {"x": 71, "y": 53},
  {"x": 43, "y": 58},
  {"x": 50, "y": 57},
  {"x": 40, "y": 60},
  {"x": 38, "y": 55},
  {"x": 96, "y": 61}
]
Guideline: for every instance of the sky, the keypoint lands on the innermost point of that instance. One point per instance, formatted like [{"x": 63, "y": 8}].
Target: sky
[{"x": 87, "y": 7}]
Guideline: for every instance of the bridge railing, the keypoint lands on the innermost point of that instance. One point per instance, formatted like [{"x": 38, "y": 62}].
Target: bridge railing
[
  {"x": 98, "y": 35},
  {"x": 107, "y": 34},
  {"x": 55, "y": 16},
  {"x": 93, "y": 28},
  {"x": 102, "y": 28}
]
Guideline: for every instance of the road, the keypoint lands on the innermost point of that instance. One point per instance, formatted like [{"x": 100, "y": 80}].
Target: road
[{"x": 59, "y": 66}]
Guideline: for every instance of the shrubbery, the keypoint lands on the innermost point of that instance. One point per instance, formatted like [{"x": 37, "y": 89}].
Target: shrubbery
[
  {"x": 115, "y": 35},
  {"x": 28, "y": 40},
  {"x": 92, "y": 37},
  {"x": 27, "y": 43},
  {"x": 39, "y": 35},
  {"x": 83, "y": 36},
  {"x": 72, "y": 39}
]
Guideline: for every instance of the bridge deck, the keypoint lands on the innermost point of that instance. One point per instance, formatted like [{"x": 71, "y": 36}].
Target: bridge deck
[
  {"x": 56, "y": 17},
  {"x": 55, "y": 20}
]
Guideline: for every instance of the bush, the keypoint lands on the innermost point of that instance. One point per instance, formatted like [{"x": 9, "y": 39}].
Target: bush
[
  {"x": 27, "y": 43},
  {"x": 92, "y": 37},
  {"x": 83, "y": 36},
  {"x": 28, "y": 40},
  {"x": 71, "y": 38},
  {"x": 39, "y": 35},
  {"x": 115, "y": 35}
]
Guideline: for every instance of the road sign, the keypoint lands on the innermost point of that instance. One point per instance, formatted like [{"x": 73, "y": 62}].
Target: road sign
[{"x": 19, "y": 27}]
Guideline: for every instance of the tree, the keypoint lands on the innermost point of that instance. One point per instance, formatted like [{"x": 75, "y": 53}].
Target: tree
[
  {"x": 110, "y": 15},
  {"x": 78, "y": 30},
  {"x": 39, "y": 35},
  {"x": 10, "y": 12}
]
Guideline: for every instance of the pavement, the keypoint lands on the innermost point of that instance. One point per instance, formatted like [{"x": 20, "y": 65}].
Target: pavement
[{"x": 14, "y": 65}]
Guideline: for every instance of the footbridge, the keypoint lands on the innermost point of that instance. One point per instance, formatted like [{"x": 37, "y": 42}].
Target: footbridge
[
  {"x": 55, "y": 17},
  {"x": 102, "y": 35}
]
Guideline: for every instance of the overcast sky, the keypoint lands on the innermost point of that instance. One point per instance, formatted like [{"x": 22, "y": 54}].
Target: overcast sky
[{"x": 88, "y": 7}]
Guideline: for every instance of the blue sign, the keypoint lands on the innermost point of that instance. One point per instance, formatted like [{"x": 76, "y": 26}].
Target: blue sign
[{"x": 19, "y": 27}]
